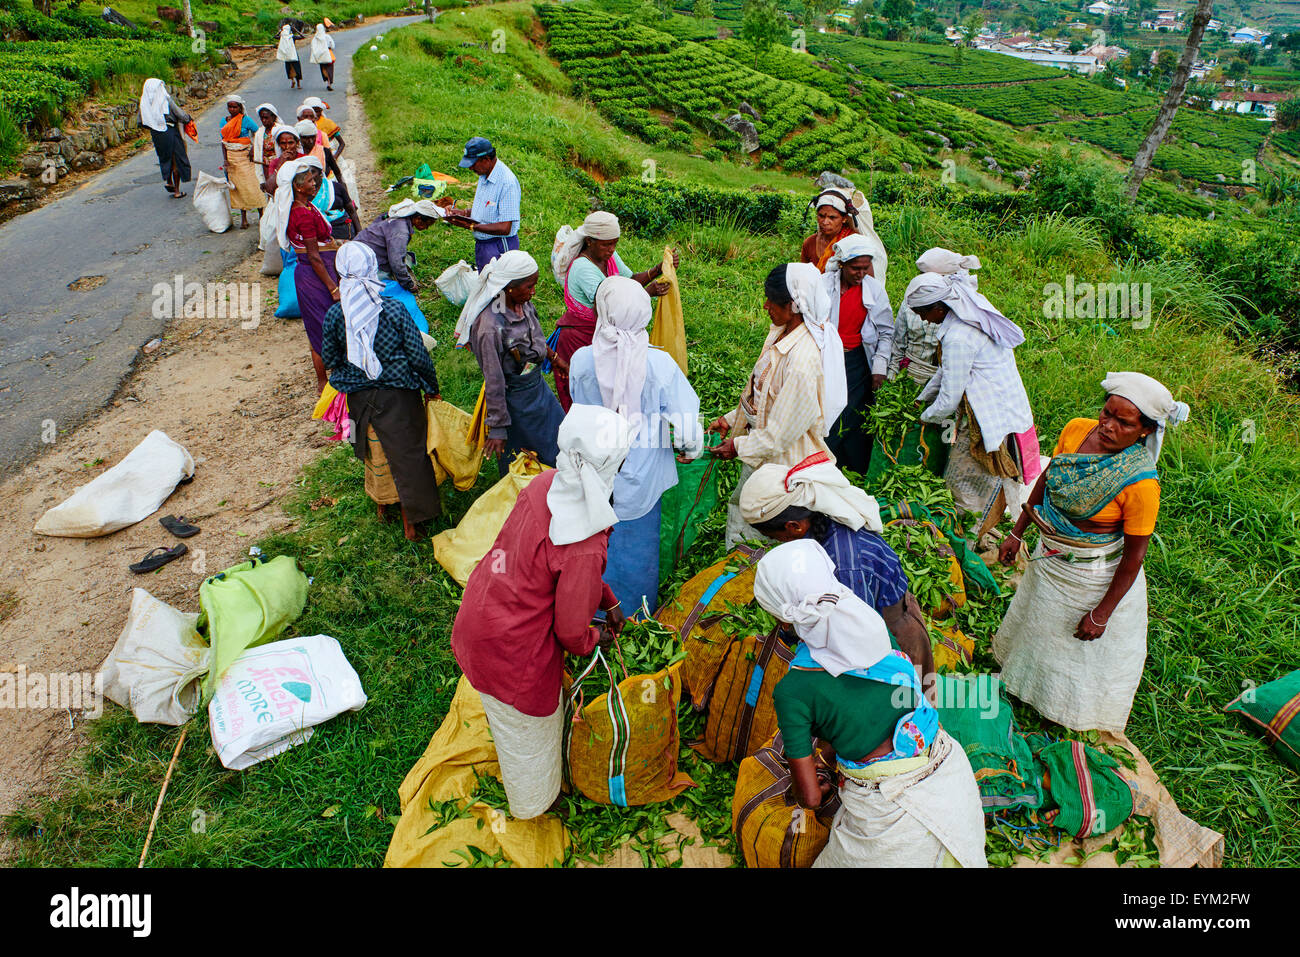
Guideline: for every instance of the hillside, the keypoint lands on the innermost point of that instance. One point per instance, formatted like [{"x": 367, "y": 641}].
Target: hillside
[{"x": 1223, "y": 576}]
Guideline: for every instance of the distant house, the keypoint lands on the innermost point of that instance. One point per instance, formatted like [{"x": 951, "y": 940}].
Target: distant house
[
  {"x": 1249, "y": 35},
  {"x": 1084, "y": 63},
  {"x": 1254, "y": 103},
  {"x": 1104, "y": 9},
  {"x": 1105, "y": 54},
  {"x": 1214, "y": 26}
]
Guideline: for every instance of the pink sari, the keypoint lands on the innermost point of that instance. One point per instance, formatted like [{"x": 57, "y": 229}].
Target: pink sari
[{"x": 577, "y": 328}]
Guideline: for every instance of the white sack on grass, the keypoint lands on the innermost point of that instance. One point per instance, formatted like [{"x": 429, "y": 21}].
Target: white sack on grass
[
  {"x": 157, "y": 663},
  {"x": 127, "y": 493},
  {"x": 457, "y": 282},
  {"x": 212, "y": 200},
  {"x": 266, "y": 223},
  {"x": 273, "y": 695}
]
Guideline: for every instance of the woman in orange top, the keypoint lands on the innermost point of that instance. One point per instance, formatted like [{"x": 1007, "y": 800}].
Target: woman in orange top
[
  {"x": 840, "y": 214},
  {"x": 1073, "y": 642}
]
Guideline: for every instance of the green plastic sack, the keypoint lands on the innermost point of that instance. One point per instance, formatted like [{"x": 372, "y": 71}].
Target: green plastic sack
[
  {"x": 922, "y": 444},
  {"x": 685, "y": 505},
  {"x": 1273, "y": 708},
  {"x": 248, "y": 605},
  {"x": 973, "y": 708}
]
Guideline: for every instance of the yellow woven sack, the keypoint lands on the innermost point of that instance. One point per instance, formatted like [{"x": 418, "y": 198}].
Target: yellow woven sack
[
  {"x": 956, "y": 597},
  {"x": 458, "y": 749},
  {"x": 771, "y": 829},
  {"x": 453, "y": 456},
  {"x": 698, "y": 611},
  {"x": 669, "y": 329},
  {"x": 952, "y": 649},
  {"x": 622, "y": 747},
  {"x": 459, "y": 549},
  {"x": 741, "y": 714}
]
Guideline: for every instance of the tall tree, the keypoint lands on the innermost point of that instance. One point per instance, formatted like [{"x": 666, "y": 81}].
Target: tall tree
[
  {"x": 189, "y": 19},
  {"x": 762, "y": 26},
  {"x": 1169, "y": 108},
  {"x": 702, "y": 9}
]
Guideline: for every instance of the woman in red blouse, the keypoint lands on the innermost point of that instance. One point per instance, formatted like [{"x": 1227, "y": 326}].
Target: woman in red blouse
[{"x": 315, "y": 278}]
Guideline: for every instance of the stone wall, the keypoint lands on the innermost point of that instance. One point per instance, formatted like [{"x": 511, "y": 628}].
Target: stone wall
[{"x": 61, "y": 151}]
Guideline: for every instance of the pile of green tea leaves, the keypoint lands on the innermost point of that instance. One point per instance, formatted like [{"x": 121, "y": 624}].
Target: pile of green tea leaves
[
  {"x": 1022, "y": 835},
  {"x": 743, "y": 620},
  {"x": 645, "y": 647},
  {"x": 924, "y": 554},
  {"x": 894, "y": 411}
]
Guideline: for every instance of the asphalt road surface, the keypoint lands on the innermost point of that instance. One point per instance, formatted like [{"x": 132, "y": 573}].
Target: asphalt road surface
[{"x": 64, "y": 351}]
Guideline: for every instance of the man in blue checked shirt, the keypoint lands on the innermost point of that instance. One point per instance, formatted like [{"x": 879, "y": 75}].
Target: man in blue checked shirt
[{"x": 494, "y": 217}]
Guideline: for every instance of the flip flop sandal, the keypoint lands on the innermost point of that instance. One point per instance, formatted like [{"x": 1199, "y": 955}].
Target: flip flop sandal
[
  {"x": 180, "y": 527},
  {"x": 158, "y": 558}
]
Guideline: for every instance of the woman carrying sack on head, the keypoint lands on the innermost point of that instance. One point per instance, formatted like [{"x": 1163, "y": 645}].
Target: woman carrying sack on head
[
  {"x": 861, "y": 313},
  {"x": 287, "y": 53},
  {"x": 814, "y": 501},
  {"x": 621, "y": 371},
  {"x": 581, "y": 259},
  {"x": 978, "y": 386},
  {"x": 322, "y": 53},
  {"x": 500, "y": 325},
  {"x": 164, "y": 120},
  {"x": 908, "y": 794},
  {"x": 916, "y": 342},
  {"x": 839, "y": 216},
  {"x": 1074, "y": 639},
  {"x": 236, "y": 145},
  {"x": 796, "y": 390},
  {"x": 520, "y": 615},
  {"x": 375, "y": 357}
]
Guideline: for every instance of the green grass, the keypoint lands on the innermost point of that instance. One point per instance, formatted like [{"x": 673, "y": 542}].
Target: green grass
[{"x": 1223, "y": 570}]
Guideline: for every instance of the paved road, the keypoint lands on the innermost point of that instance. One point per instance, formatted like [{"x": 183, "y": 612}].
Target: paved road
[{"x": 63, "y": 352}]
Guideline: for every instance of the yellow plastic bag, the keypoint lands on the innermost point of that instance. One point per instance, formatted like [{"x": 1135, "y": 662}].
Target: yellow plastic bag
[
  {"x": 452, "y": 455},
  {"x": 459, "y": 549},
  {"x": 669, "y": 329},
  {"x": 459, "y": 748},
  {"x": 478, "y": 429}
]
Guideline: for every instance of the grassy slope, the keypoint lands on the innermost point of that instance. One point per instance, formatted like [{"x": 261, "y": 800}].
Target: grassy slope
[{"x": 1224, "y": 571}]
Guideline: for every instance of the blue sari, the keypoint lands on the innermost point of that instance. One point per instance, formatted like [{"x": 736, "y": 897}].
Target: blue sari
[{"x": 1079, "y": 485}]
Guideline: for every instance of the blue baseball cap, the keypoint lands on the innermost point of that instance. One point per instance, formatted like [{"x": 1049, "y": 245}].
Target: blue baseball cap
[{"x": 475, "y": 149}]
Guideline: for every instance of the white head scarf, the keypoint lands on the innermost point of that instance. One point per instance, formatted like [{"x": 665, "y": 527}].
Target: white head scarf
[
  {"x": 812, "y": 302},
  {"x": 496, "y": 275},
  {"x": 359, "y": 294},
  {"x": 409, "y": 207},
  {"x": 593, "y": 443},
  {"x": 316, "y": 103},
  {"x": 275, "y": 135},
  {"x": 285, "y": 50},
  {"x": 966, "y": 304},
  {"x": 153, "y": 104},
  {"x": 284, "y": 193},
  {"x": 818, "y": 487},
  {"x": 320, "y": 45},
  {"x": 299, "y": 119},
  {"x": 236, "y": 98},
  {"x": 847, "y": 249},
  {"x": 947, "y": 263},
  {"x": 568, "y": 241},
  {"x": 1152, "y": 399},
  {"x": 796, "y": 583},
  {"x": 858, "y": 210},
  {"x": 621, "y": 343}
]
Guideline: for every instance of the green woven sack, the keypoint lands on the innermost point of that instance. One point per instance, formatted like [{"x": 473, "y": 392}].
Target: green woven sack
[
  {"x": 974, "y": 709},
  {"x": 1090, "y": 797},
  {"x": 1274, "y": 709},
  {"x": 922, "y": 445},
  {"x": 685, "y": 505}
]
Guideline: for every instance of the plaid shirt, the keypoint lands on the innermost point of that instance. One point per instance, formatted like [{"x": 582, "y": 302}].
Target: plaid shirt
[
  {"x": 780, "y": 418},
  {"x": 497, "y": 200},
  {"x": 398, "y": 347},
  {"x": 914, "y": 338},
  {"x": 977, "y": 367},
  {"x": 866, "y": 565}
]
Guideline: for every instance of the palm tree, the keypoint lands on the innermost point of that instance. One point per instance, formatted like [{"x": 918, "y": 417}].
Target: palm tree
[{"x": 1165, "y": 118}]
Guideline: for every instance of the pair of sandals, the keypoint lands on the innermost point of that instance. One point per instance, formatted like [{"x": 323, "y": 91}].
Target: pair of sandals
[{"x": 160, "y": 556}]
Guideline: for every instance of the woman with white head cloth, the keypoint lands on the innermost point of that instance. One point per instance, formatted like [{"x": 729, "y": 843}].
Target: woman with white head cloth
[
  {"x": 287, "y": 53},
  {"x": 390, "y": 234},
  {"x": 329, "y": 129},
  {"x": 915, "y": 340},
  {"x": 264, "y": 147},
  {"x": 237, "y": 145},
  {"x": 375, "y": 357},
  {"x": 978, "y": 388},
  {"x": 500, "y": 325},
  {"x": 622, "y": 371},
  {"x": 908, "y": 797},
  {"x": 160, "y": 115},
  {"x": 581, "y": 260},
  {"x": 814, "y": 501},
  {"x": 532, "y": 603},
  {"x": 322, "y": 53},
  {"x": 796, "y": 390},
  {"x": 861, "y": 312},
  {"x": 304, "y": 231},
  {"x": 842, "y": 213},
  {"x": 1073, "y": 642}
]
